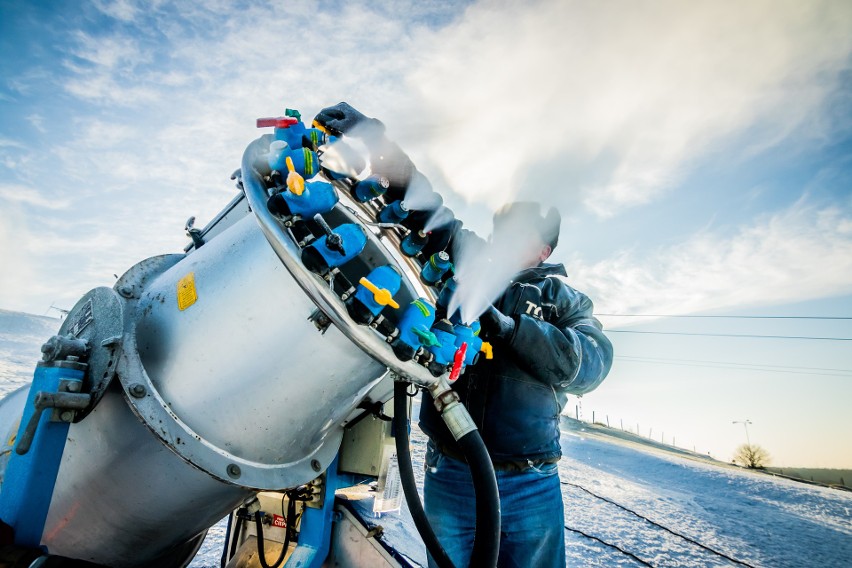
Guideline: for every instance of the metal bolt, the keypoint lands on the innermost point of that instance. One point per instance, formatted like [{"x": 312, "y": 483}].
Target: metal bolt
[
  {"x": 234, "y": 471},
  {"x": 316, "y": 465},
  {"x": 138, "y": 390},
  {"x": 125, "y": 291},
  {"x": 74, "y": 386},
  {"x": 66, "y": 416}
]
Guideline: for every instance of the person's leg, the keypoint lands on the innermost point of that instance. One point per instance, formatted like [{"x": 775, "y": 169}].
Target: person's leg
[
  {"x": 450, "y": 505},
  {"x": 533, "y": 519}
]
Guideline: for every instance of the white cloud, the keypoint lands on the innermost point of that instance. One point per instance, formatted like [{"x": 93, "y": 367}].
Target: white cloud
[
  {"x": 123, "y": 10},
  {"x": 801, "y": 253},
  {"x": 615, "y": 100},
  {"x": 619, "y": 98},
  {"x": 37, "y": 121},
  {"x": 15, "y": 193}
]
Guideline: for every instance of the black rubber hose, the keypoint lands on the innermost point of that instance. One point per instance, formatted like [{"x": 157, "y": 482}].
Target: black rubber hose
[
  {"x": 261, "y": 552},
  {"x": 224, "y": 559},
  {"x": 406, "y": 476},
  {"x": 486, "y": 544},
  {"x": 238, "y": 526}
]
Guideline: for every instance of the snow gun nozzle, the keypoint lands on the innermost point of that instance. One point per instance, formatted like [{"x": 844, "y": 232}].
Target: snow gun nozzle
[{"x": 277, "y": 122}]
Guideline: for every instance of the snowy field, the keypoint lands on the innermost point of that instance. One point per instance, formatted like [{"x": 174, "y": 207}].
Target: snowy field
[{"x": 626, "y": 505}]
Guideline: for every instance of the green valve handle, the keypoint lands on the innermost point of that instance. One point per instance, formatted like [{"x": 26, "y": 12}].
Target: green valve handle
[{"x": 427, "y": 338}]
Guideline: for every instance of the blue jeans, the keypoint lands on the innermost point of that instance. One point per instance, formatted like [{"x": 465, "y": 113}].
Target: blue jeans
[{"x": 533, "y": 518}]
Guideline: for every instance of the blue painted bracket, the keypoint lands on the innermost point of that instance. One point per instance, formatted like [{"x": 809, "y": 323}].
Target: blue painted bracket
[
  {"x": 315, "y": 535},
  {"x": 30, "y": 477}
]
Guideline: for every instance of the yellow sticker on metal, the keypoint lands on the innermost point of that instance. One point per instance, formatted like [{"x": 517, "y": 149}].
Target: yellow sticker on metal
[{"x": 186, "y": 293}]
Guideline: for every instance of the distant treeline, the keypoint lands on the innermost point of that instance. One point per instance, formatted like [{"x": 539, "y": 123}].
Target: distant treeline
[{"x": 841, "y": 477}]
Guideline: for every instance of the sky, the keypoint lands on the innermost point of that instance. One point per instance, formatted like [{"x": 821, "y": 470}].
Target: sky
[{"x": 700, "y": 154}]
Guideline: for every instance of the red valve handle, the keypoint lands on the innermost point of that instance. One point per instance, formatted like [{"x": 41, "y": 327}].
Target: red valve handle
[
  {"x": 458, "y": 361},
  {"x": 277, "y": 121}
]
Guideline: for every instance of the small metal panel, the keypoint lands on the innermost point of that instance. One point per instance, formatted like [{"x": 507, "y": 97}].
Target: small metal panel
[
  {"x": 354, "y": 546},
  {"x": 363, "y": 444},
  {"x": 97, "y": 317}
]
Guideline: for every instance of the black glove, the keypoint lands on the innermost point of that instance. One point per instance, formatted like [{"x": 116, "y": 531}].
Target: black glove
[
  {"x": 342, "y": 118},
  {"x": 386, "y": 157},
  {"x": 496, "y": 326}
]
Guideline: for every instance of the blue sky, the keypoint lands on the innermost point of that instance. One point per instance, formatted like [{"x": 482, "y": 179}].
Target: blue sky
[{"x": 699, "y": 152}]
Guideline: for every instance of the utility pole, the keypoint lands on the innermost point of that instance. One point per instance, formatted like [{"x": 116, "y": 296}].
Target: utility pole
[{"x": 745, "y": 424}]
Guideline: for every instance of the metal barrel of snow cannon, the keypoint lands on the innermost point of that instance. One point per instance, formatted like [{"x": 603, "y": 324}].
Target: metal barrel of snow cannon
[{"x": 214, "y": 374}]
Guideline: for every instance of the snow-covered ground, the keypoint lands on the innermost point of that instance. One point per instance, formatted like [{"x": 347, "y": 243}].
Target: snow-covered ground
[{"x": 626, "y": 505}]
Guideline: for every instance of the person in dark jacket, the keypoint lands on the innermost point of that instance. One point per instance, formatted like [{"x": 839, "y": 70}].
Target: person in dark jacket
[{"x": 546, "y": 344}]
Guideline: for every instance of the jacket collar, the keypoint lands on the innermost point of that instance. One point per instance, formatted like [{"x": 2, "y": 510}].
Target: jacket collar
[{"x": 541, "y": 271}]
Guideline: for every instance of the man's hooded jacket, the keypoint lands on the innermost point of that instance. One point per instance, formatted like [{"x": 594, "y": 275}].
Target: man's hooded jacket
[{"x": 516, "y": 398}]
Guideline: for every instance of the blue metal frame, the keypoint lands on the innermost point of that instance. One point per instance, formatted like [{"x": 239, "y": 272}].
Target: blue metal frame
[
  {"x": 316, "y": 525},
  {"x": 30, "y": 478}
]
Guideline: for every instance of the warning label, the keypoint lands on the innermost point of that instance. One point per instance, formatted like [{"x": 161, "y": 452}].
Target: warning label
[
  {"x": 186, "y": 293},
  {"x": 279, "y": 521}
]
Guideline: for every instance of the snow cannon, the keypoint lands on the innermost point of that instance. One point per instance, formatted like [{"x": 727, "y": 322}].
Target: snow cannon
[{"x": 203, "y": 378}]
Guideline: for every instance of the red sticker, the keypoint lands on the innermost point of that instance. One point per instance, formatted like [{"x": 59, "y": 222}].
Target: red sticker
[{"x": 279, "y": 521}]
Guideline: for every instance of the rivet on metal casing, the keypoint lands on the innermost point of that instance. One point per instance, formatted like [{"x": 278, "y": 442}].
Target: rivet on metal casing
[
  {"x": 138, "y": 390},
  {"x": 126, "y": 291},
  {"x": 234, "y": 471},
  {"x": 316, "y": 465}
]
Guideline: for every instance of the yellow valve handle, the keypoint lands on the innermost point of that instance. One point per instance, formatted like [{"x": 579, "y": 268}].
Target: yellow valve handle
[
  {"x": 487, "y": 349},
  {"x": 319, "y": 127},
  {"x": 295, "y": 182},
  {"x": 382, "y": 296}
]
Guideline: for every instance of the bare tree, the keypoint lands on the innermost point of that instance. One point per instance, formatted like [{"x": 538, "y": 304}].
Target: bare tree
[{"x": 751, "y": 456}]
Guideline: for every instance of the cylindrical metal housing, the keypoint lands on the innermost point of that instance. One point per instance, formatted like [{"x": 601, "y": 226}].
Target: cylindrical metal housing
[{"x": 243, "y": 366}]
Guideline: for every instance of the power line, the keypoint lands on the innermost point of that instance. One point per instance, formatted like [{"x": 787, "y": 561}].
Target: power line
[
  {"x": 656, "y": 524},
  {"x": 725, "y": 317},
  {"x": 730, "y": 335},
  {"x": 741, "y": 366},
  {"x": 609, "y": 544}
]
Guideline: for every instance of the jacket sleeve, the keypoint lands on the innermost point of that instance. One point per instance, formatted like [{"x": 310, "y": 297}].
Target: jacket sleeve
[{"x": 572, "y": 353}]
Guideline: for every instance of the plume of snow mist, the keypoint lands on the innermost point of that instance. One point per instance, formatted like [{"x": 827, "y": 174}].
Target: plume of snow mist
[
  {"x": 440, "y": 217},
  {"x": 346, "y": 156},
  {"x": 484, "y": 269}
]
